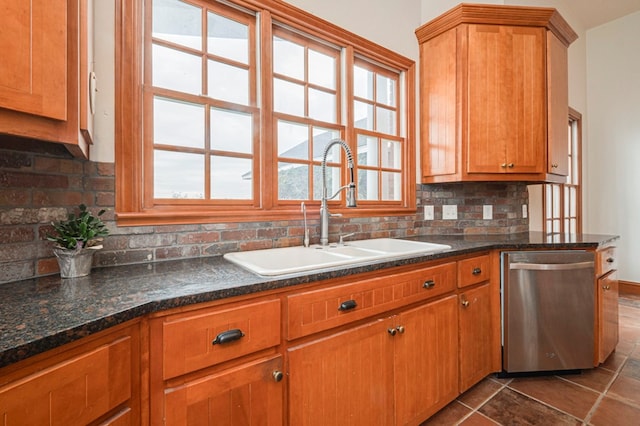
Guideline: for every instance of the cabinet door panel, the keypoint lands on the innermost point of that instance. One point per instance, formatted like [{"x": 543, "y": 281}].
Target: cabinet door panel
[
  {"x": 426, "y": 364},
  {"x": 343, "y": 379},
  {"x": 241, "y": 396},
  {"x": 506, "y": 109},
  {"x": 33, "y": 70},
  {"x": 558, "y": 105},
  {"x": 439, "y": 104},
  {"x": 476, "y": 336},
  {"x": 77, "y": 391},
  {"x": 608, "y": 315}
]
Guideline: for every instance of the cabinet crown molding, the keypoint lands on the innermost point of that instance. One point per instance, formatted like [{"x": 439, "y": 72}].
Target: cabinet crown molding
[{"x": 464, "y": 13}]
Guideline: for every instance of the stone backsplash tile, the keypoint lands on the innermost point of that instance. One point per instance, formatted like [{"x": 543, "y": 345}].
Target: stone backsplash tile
[{"x": 42, "y": 185}]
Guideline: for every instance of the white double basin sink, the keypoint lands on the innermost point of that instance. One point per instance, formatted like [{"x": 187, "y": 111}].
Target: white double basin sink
[{"x": 289, "y": 260}]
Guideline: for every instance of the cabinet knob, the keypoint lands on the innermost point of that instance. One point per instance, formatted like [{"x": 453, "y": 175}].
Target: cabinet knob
[
  {"x": 464, "y": 302},
  {"x": 476, "y": 271},
  {"x": 392, "y": 331},
  {"x": 503, "y": 165},
  {"x": 510, "y": 165},
  {"x": 429, "y": 284},
  {"x": 554, "y": 166},
  {"x": 400, "y": 329},
  {"x": 277, "y": 376},
  {"x": 228, "y": 336},
  {"x": 606, "y": 287},
  {"x": 610, "y": 260}
]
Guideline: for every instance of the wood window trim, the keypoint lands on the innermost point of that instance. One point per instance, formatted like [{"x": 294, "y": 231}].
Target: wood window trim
[{"x": 129, "y": 154}]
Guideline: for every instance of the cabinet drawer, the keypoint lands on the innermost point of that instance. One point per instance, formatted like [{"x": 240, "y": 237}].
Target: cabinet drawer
[
  {"x": 317, "y": 310},
  {"x": 606, "y": 260},
  {"x": 76, "y": 391},
  {"x": 474, "y": 270},
  {"x": 203, "y": 338}
]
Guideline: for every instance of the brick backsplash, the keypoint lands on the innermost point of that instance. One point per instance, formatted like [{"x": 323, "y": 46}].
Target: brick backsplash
[{"x": 41, "y": 183}]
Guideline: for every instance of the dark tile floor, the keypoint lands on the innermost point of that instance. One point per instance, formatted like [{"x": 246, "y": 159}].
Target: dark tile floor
[{"x": 605, "y": 396}]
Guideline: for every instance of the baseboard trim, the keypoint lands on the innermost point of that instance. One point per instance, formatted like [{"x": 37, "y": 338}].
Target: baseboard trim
[{"x": 629, "y": 287}]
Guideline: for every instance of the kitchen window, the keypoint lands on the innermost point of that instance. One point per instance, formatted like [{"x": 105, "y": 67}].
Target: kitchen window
[{"x": 225, "y": 109}]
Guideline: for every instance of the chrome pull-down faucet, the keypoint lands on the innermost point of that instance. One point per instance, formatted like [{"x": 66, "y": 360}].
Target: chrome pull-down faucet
[{"x": 350, "y": 187}]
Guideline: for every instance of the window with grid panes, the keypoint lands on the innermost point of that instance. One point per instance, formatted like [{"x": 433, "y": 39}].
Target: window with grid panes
[
  {"x": 376, "y": 122},
  {"x": 562, "y": 202},
  {"x": 306, "y": 111},
  {"x": 238, "y": 103},
  {"x": 202, "y": 97}
]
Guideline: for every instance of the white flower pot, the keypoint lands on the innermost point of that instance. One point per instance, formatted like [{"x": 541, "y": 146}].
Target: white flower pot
[{"x": 74, "y": 263}]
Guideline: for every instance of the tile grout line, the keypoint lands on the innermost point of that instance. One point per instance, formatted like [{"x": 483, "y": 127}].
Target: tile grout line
[
  {"x": 606, "y": 390},
  {"x": 481, "y": 404}
]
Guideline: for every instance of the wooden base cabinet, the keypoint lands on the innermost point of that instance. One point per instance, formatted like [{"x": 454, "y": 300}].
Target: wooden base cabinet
[
  {"x": 475, "y": 330},
  {"x": 97, "y": 381},
  {"x": 395, "y": 370},
  {"x": 426, "y": 365},
  {"x": 607, "y": 292},
  {"x": 607, "y": 315},
  {"x": 343, "y": 379},
  {"x": 217, "y": 365}
]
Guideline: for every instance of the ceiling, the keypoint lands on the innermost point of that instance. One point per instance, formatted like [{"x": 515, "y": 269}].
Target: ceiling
[{"x": 593, "y": 13}]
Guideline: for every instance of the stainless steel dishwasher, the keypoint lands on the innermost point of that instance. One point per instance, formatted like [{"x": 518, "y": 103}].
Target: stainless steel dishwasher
[{"x": 548, "y": 310}]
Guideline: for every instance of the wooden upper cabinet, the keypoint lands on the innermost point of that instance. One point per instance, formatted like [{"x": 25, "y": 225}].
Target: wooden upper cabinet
[
  {"x": 45, "y": 46},
  {"x": 506, "y": 99},
  {"x": 33, "y": 72},
  {"x": 494, "y": 94},
  {"x": 557, "y": 103}
]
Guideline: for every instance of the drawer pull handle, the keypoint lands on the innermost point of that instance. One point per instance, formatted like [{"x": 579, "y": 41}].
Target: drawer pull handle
[
  {"x": 277, "y": 376},
  {"x": 347, "y": 305},
  {"x": 476, "y": 271},
  {"x": 228, "y": 336},
  {"x": 610, "y": 260},
  {"x": 429, "y": 284}
]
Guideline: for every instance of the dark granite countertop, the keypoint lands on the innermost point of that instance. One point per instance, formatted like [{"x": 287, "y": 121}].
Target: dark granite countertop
[{"x": 40, "y": 314}]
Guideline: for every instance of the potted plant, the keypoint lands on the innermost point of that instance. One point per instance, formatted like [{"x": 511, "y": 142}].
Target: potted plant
[{"x": 76, "y": 240}]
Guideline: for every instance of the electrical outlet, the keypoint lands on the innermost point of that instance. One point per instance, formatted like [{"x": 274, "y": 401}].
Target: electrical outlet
[
  {"x": 524, "y": 211},
  {"x": 487, "y": 212},
  {"x": 428, "y": 213},
  {"x": 450, "y": 212}
]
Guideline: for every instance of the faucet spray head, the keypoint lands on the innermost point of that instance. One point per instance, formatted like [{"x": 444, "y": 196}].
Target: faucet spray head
[{"x": 351, "y": 195}]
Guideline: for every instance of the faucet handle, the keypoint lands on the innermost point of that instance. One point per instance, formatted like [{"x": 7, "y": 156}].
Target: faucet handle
[{"x": 342, "y": 237}]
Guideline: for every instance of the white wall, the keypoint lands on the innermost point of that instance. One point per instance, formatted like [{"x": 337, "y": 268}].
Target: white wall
[
  {"x": 388, "y": 23},
  {"x": 103, "y": 149},
  {"x": 613, "y": 155}
]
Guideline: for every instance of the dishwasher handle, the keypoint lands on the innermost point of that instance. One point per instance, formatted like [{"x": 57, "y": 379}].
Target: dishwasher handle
[{"x": 551, "y": 266}]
